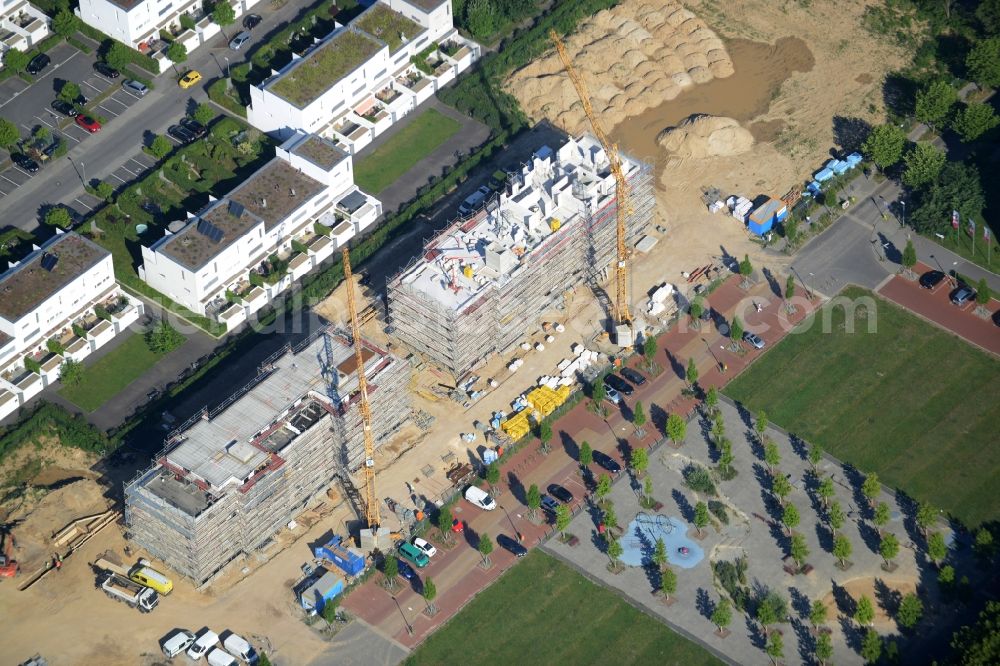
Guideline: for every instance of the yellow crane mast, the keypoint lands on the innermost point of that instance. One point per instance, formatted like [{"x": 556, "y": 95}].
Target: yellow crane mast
[
  {"x": 371, "y": 501},
  {"x": 622, "y": 314}
]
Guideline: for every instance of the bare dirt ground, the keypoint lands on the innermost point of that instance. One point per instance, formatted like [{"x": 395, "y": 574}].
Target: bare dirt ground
[{"x": 875, "y": 589}]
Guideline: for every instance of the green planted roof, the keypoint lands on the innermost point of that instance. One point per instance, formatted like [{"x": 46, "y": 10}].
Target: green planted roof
[
  {"x": 316, "y": 73},
  {"x": 391, "y": 27}
]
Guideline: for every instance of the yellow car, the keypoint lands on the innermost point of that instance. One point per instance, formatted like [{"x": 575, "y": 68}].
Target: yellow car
[{"x": 189, "y": 79}]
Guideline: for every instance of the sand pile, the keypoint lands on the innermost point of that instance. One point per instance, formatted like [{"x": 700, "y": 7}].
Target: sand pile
[
  {"x": 706, "y": 136},
  {"x": 632, "y": 58}
]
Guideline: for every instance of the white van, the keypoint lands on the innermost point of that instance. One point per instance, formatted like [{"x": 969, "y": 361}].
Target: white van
[
  {"x": 238, "y": 646},
  {"x": 202, "y": 644},
  {"x": 177, "y": 642},
  {"x": 480, "y": 498},
  {"x": 219, "y": 657}
]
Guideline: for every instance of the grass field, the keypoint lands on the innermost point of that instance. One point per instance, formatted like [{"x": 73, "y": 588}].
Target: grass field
[
  {"x": 420, "y": 138},
  {"x": 910, "y": 402},
  {"x": 543, "y": 612},
  {"x": 105, "y": 378}
]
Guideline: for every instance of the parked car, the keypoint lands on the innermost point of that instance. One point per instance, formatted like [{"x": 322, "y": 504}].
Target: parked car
[
  {"x": 753, "y": 340},
  {"x": 511, "y": 545},
  {"x": 25, "y": 162},
  {"x": 193, "y": 126},
  {"x": 428, "y": 549},
  {"x": 931, "y": 279},
  {"x": 251, "y": 21},
  {"x": 962, "y": 294},
  {"x": 206, "y": 641},
  {"x": 189, "y": 79},
  {"x": 240, "y": 648},
  {"x": 177, "y": 642},
  {"x": 560, "y": 493},
  {"x": 65, "y": 108},
  {"x": 135, "y": 87},
  {"x": 106, "y": 70},
  {"x": 480, "y": 498},
  {"x": 414, "y": 555},
  {"x": 219, "y": 657},
  {"x": 405, "y": 570},
  {"x": 607, "y": 462},
  {"x": 474, "y": 200},
  {"x": 180, "y": 133},
  {"x": 88, "y": 123},
  {"x": 633, "y": 376},
  {"x": 618, "y": 384},
  {"x": 549, "y": 504},
  {"x": 38, "y": 63},
  {"x": 237, "y": 42},
  {"x": 996, "y": 317},
  {"x": 612, "y": 395}
]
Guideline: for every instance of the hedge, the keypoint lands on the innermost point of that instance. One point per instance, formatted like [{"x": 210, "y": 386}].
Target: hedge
[
  {"x": 140, "y": 59},
  {"x": 218, "y": 92}
]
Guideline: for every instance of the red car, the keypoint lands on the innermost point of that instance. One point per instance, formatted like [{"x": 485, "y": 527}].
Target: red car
[{"x": 88, "y": 123}]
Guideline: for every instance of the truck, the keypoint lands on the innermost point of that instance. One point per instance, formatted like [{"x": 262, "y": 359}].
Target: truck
[{"x": 122, "y": 589}]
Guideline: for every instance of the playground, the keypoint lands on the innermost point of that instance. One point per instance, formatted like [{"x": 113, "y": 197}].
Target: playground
[{"x": 642, "y": 534}]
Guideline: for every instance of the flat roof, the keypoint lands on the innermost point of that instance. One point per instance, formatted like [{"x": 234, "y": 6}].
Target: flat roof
[
  {"x": 179, "y": 493},
  {"x": 321, "y": 152},
  {"x": 390, "y": 26},
  {"x": 426, "y": 5},
  {"x": 127, "y": 5},
  {"x": 275, "y": 191},
  {"x": 43, "y": 273},
  {"x": 196, "y": 244},
  {"x": 307, "y": 78}
]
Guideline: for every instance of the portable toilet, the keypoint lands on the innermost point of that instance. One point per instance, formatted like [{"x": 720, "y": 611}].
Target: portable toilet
[{"x": 764, "y": 216}]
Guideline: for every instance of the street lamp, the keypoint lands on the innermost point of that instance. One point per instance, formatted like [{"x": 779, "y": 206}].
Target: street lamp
[
  {"x": 902, "y": 213},
  {"x": 83, "y": 171},
  {"x": 517, "y": 534},
  {"x": 228, "y": 72},
  {"x": 409, "y": 627}
]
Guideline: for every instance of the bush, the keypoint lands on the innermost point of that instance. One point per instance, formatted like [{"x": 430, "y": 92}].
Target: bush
[
  {"x": 163, "y": 338},
  {"x": 699, "y": 479},
  {"x": 732, "y": 577},
  {"x": 718, "y": 510},
  {"x": 53, "y": 423},
  {"x": 58, "y": 216}
]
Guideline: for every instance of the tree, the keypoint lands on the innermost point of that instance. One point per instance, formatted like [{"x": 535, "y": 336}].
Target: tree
[
  {"x": 105, "y": 191},
  {"x": 638, "y": 415},
  {"x": 864, "y": 613},
  {"x": 71, "y": 372},
  {"x": 712, "y": 400},
  {"x": 771, "y": 609},
  {"x": 946, "y": 577},
  {"x": 390, "y": 570},
  {"x": 979, "y": 644},
  {"x": 775, "y": 647},
  {"x": 586, "y": 455},
  {"x": 563, "y": 518},
  {"x": 736, "y": 330},
  {"x": 598, "y": 392},
  {"x": 746, "y": 268},
  {"x": 610, "y": 518},
  {"x": 826, "y": 490},
  {"x": 871, "y": 488},
  {"x": 160, "y": 147},
  {"x": 984, "y": 543},
  {"x": 493, "y": 474},
  {"x": 889, "y": 548},
  {"x": 15, "y": 60},
  {"x": 659, "y": 557},
  {"x": 429, "y": 593},
  {"x": 923, "y": 164},
  {"x": 118, "y": 56},
  {"x": 639, "y": 461},
  {"x": 57, "y": 216},
  {"x": 958, "y": 187},
  {"x": 815, "y": 455},
  {"x": 772, "y": 456},
  {"x": 534, "y": 500},
  {"x": 330, "y": 610},
  {"x": 934, "y": 103},
  {"x": 649, "y": 350},
  {"x": 69, "y": 92},
  {"x": 481, "y": 18},
  {"x": 263, "y": 661},
  {"x": 974, "y": 120},
  {"x": 798, "y": 549},
  {"x": 223, "y": 15},
  {"x": 691, "y": 375},
  {"x": 545, "y": 434},
  {"x": 696, "y": 309},
  {"x": 882, "y": 515},
  {"x": 909, "y": 255},
  {"x": 842, "y": 549},
  {"x": 983, "y": 62},
  {"x": 9, "y": 134},
  {"x": 163, "y": 338},
  {"x": 926, "y": 516},
  {"x": 603, "y": 486},
  {"x": 177, "y": 53},
  {"x": 818, "y": 613},
  {"x": 64, "y": 23},
  {"x": 676, "y": 429},
  {"x": 760, "y": 425},
  {"x": 790, "y": 517},
  {"x": 937, "y": 549},
  {"x": 615, "y": 549},
  {"x": 668, "y": 582},
  {"x": 485, "y": 547},
  {"x": 789, "y": 286},
  {"x": 444, "y": 521},
  {"x": 835, "y": 516},
  {"x": 871, "y": 646},
  {"x": 722, "y": 615},
  {"x": 911, "y": 609},
  {"x": 726, "y": 458},
  {"x": 781, "y": 487},
  {"x": 884, "y": 145},
  {"x": 983, "y": 294},
  {"x": 824, "y": 648},
  {"x": 203, "y": 113},
  {"x": 700, "y": 516},
  {"x": 647, "y": 488}
]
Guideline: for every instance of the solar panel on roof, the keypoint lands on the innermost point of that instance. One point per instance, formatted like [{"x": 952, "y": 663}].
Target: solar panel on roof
[
  {"x": 209, "y": 230},
  {"x": 235, "y": 208},
  {"x": 49, "y": 261}
]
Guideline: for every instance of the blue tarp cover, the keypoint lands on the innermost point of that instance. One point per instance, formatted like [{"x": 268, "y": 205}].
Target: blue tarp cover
[{"x": 825, "y": 174}]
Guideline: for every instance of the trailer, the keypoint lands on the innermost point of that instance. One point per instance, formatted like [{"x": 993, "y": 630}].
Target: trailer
[{"x": 122, "y": 589}]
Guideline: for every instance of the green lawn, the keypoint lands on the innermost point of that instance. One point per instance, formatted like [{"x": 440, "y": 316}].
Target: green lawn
[
  {"x": 910, "y": 402},
  {"x": 420, "y": 138},
  {"x": 543, "y": 612},
  {"x": 106, "y": 378}
]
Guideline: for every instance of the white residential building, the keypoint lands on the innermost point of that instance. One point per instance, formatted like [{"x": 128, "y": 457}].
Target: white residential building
[
  {"x": 219, "y": 263},
  {"x": 360, "y": 79},
  {"x": 53, "y": 294},
  {"x": 22, "y": 26}
]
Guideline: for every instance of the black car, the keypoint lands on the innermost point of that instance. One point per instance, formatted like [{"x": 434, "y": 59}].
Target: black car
[
  {"x": 405, "y": 570},
  {"x": 996, "y": 317},
  {"x": 104, "y": 69},
  {"x": 25, "y": 162},
  {"x": 931, "y": 279},
  {"x": 607, "y": 462},
  {"x": 180, "y": 133},
  {"x": 193, "y": 126},
  {"x": 549, "y": 504},
  {"x": 38, "y": 63},
  {"x": 560, "y": 493},
  {"x": 511, "y": 545},
  {"x": 618, "y": 384},
  {"x": 64, "y": 108},
  {"x": 251, "y": 21},
  {"x": 633, "y": 376}
]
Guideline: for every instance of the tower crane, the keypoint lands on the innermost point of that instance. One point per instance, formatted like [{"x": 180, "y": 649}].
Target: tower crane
[
  {"x": 371, "y": 501},
  {"x": 623, "y": 318}
]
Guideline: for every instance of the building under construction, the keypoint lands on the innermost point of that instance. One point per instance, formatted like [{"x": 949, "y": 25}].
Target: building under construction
[
  {"x": 229, "y": 479},
  {"x": 482, "y": 284}
]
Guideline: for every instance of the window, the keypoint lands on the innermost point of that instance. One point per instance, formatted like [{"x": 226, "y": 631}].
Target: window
[{"x": 166, "y": 8}]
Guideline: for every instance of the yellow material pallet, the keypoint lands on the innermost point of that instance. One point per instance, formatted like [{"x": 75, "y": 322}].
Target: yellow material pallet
[{"x": 517, "y": 426}]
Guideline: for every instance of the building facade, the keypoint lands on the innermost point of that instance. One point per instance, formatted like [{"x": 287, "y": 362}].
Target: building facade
[
  {"x": 231, "y": 478},
  {"x": 22, "y": 26},
  {"x": 239, "y": 252}
]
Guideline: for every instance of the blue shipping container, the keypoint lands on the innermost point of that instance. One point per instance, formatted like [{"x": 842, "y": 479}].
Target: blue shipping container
[
  {"x": 351, "y": 563},
  {"x": 314, "y": 597},
  {"x": 764, "y": 216}
]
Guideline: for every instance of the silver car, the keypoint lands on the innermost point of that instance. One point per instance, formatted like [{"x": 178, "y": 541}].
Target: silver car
[
  {"x": 239, "y": 40},
  {"x": 753, "y": 340},
  {"x": 135, "y": 87}
]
